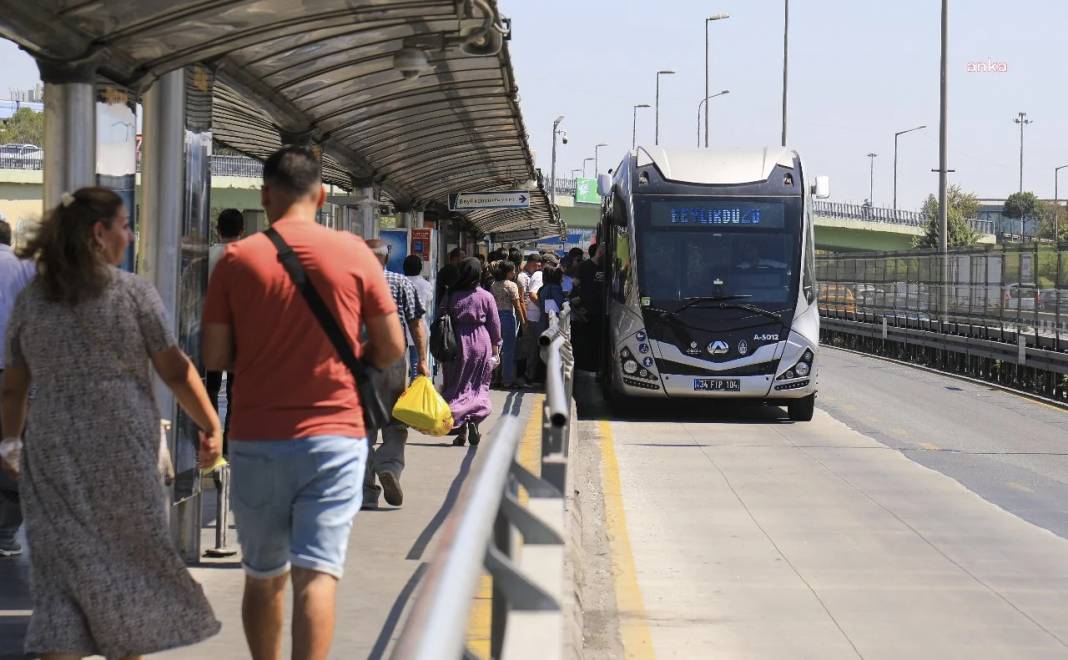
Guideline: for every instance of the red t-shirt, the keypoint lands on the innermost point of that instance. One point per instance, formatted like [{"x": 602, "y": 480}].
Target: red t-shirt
[{"x": 288, "y": 380}]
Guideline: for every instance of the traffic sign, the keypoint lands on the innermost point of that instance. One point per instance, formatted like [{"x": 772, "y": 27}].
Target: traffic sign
[{"x": 498, "y": 199}]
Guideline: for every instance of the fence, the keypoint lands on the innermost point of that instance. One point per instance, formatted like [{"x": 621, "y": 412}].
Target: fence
[
  {"x": 999, "y": 313},
  {"x": 484, "y": 528},
  {"x": 239, "y": 166},
  {"x": 889, "y": 216}
]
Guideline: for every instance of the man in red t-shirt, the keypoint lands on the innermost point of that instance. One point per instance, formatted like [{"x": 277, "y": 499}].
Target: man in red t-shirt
[{"x": 298, "y": 444}]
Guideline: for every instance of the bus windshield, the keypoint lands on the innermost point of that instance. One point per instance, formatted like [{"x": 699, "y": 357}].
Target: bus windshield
[{"x": 730, "y": 248}]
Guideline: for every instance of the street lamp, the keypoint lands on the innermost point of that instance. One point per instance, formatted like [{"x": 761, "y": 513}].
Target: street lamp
[
  {"x": 665, "y": 72},
  {"x": 596, "y": 161},
  {"x": 584, "y": 161},
  {"x": 1056, "y": 203},
  {"x": 1022, "y": 120},
  {"x": 871, "y": 182},
  {"x": 704, "y": 102},
  {"x": 714, "y": 17},
  {"x": 573, "y": 175},
  {"x": 785, "y": 62},
  {"x": 896, "y": 135},
  {"x": 552, "y": 175},
  {"x": 634, "y": 128}
]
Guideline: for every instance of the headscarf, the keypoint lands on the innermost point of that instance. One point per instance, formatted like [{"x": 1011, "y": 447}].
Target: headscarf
[{"x": 469, "y": 275}]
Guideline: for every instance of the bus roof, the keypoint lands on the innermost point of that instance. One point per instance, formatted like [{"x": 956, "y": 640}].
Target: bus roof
[{"x": 716, "y": 166}]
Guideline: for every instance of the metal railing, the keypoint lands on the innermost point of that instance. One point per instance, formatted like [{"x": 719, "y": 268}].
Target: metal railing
[
  {"x": 238, "y": 166},
  {"x": 885, "y": 215},
  {"x": 484, "y": 529}
]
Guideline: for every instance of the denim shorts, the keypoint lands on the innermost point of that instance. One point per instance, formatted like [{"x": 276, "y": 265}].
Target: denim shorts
[{"x": 294, "y": 502}]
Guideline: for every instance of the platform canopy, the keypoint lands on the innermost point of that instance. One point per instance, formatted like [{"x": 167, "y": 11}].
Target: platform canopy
[{"x": 332, "y": 72}]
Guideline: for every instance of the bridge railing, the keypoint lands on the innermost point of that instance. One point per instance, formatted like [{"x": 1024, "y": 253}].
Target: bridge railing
[
  {"x": 890, "y": 216},
  {"x": 483, "y": 532}
]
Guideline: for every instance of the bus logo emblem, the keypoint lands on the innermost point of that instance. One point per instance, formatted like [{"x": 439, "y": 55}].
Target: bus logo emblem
[
  {"x": 718, "y": 347},
  {"x": 743, "y": 347}
]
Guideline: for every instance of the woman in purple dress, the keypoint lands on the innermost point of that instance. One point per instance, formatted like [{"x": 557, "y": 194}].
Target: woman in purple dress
[{"x": 478, "y": 332}]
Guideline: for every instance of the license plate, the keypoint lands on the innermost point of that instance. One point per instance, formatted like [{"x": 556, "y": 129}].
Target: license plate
[{"x": 717, "y": 385}]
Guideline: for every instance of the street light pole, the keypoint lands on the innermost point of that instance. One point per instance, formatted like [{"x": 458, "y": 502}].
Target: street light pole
[
  {"x": 896, "y": 136},
  {"x": 943, "y": 165},
  {"x": 552, "y": 175},
  {"x": 634, "y": 128},
  {"x": 1056, "y": 204},
  {"x": 596, "y": 159},
  {"x": 785, "y": 63},
  {"x": 574, "y": 171},
  {"x": 656, "y": 139},
  {"x": 714, "y": 17},
  {"x": 871, "y": 181},
  {"x": 704, "y": 102},
  {"x": 586, "y": 160},
  {"x": 1022, "y": 120}
]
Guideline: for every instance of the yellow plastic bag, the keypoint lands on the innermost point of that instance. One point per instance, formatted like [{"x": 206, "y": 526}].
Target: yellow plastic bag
[{"x": 423, "y": 409}]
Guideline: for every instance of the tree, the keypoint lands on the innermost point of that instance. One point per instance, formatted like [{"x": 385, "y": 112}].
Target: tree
[
  {"x": 962, "y": 207},
  {"x": 24, "y": 127},
  {"x": 1022, "y": 205},
  {"x": 1054, "y": 216}
]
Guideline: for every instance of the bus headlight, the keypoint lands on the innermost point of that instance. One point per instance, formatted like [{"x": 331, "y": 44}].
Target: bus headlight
[
  {"x": 802, "y": 369},
  {"x": 630, "y": 367}
]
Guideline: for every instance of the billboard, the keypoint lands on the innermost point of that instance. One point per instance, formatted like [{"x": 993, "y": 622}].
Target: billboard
[{"x": 586, "y": 191}]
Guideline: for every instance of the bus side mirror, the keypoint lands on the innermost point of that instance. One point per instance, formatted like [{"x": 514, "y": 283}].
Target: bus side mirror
[
  {"x": 822, "y": 189},
  {"x": 604, "y": 185}
]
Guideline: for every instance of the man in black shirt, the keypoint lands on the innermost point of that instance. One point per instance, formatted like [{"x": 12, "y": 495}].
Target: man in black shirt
[{"x": 590, "y": 290}]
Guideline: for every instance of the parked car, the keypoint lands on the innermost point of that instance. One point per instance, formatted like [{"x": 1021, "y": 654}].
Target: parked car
[
  {"x": 21, "y": 151},
  {"x": 837, "y": 298},
  {"x": 1022, "y": 297}
]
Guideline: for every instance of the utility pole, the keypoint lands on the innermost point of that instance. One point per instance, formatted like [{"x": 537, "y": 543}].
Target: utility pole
[
  {"x": 715, "y": 17},
  {"x": 871, "y": 180},
  {"x": 1056, "y": 207},
  {"x": 896, "y": 136},
  {"x": 552, "y": 175},
  {"x": 1022, "y": 120},
  {"x": 943, "y": 168},
  {"x": 634, "y": 128},
  {"x": 656, "y": 139}
]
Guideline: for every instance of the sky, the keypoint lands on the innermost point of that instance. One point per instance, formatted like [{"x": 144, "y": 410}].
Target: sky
[{"x": 859, "y": 71}]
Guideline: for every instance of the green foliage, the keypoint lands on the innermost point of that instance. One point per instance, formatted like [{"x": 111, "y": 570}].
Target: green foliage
[
  {"x": 24, "y": 127},
  {"x": 962, "y": 207},
  {"x": 1054, "y": 217},
  {"x": 1022, "y": 205}
]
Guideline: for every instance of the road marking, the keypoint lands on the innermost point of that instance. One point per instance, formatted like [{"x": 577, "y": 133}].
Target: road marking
[
  {"x": 633, "y": 623},
  {"x": 930, "y": 446},
  {"x": 481, "y": 615}
]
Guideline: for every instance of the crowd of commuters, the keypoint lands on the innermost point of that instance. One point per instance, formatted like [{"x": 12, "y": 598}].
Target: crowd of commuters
[{"x": 285, "y": 309}]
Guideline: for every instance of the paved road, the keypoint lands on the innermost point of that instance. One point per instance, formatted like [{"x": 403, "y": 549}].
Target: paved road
[
  {"x": 735, "y": 533},
  {"x": 1010, "y": 450}
]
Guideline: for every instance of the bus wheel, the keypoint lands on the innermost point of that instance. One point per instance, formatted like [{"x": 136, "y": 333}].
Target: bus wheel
[{"x": 801, "y": 410}]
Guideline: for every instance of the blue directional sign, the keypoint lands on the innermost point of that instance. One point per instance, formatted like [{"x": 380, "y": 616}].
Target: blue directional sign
[{"x": 498, "y": 199}]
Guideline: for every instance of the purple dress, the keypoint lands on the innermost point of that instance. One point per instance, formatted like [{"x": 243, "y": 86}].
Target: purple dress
[{"x": 467, "y": 378}]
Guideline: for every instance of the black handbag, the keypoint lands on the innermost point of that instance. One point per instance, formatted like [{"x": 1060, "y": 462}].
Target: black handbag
[
  {"x": 443, "y": 344},
  {"x": 375, "y": 413}
]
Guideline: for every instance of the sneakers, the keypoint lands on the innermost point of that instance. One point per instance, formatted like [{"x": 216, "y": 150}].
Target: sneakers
[
  {"x": 10, "y": 548},
  {"x": 391, "y": 488}
]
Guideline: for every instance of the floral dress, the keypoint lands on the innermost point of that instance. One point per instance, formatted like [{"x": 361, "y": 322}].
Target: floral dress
[{"x": 105, "y": 576}]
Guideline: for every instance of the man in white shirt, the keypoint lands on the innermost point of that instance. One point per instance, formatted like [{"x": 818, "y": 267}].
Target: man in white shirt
[
  {"x": 530, "y": 280},
  {"x": 413, "y": 270},
  {"x": 15, "y": 274}
]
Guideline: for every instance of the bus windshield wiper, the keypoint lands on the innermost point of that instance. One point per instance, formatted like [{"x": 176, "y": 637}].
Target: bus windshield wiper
[
  {"x": 754, "y": 309},
  {"x": 724, "y": 303},
  {"x": 697, "y": 300}
]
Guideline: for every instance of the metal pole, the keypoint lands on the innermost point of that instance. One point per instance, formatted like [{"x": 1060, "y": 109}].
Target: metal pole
[
  {"x": 1022, "y": 120},
  {"x": 895, "y": 170},
  {"x": 552, "y": 170},
  {"x": 656, "y": 139},
  {"x": 69, "y": 139},
  {"x": 943, "y": 147},
  {"x": 634, "y": 130},
  {"x": 871, "y": 181},
  {"x": 706, "y": 95},
  {"x": 785, "y": 63},
  {"x": 596, "y": 159}
]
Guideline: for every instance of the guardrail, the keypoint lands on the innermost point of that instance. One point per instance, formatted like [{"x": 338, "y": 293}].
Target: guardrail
[
  {"x": 484, "y": 528},
  {"x": 885, "y": 215}
]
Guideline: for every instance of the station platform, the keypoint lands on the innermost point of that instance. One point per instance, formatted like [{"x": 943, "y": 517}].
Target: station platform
[{"x": 388, "y": 554}]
